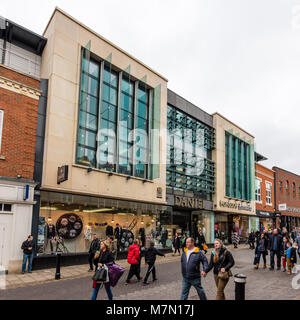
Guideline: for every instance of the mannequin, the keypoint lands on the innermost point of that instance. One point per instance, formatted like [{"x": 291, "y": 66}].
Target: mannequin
[
  {"x": 143, "y": 237},
  {"x": 118, "y": 234},
  {"x": 51, "y": 235},
  {"x": 109, "y": 231}
]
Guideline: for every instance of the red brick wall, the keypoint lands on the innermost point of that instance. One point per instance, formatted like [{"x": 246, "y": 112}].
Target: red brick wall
[
  {"x": 266, "y": 175},
  {"x": 284, "y": 196},
  {"x": 18, "y": 77},
  {"x": 19, "y": 129}
]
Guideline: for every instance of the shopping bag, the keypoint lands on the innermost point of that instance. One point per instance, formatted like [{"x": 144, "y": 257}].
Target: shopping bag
[{"x": 115, "y": 272}]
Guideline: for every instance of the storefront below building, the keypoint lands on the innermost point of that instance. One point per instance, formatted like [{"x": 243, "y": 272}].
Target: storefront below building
[
  {"x": 267, "y": 220},
  {"x": 225, "y": 224},
  {"x": 68, "y": 222}
]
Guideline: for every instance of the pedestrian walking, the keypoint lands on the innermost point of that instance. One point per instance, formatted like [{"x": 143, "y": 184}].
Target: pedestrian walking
[
  {"x": 235, "y": 239},
  {"x": 291, "y": 256},
  {"x": 261, "y": 250},
  {"x": 275, "y": 247},
  {"x": 298, "y": 244},
  {"x": 202, "y": 242},
  {"x": 113, "y": 246},
  {"x": 251, "y": 239},
  {"x": 133, "y": 259},
  {"x": 176, "y": 244},
  {"x": 140, "y": 244},
  {"x": 28, "y": 247},
  {"x": 283, "y": 253},
  {"x": 191, "y": 259},
  {"x": 105, "y": 257},
  {"x": 183, "y": 241},
  {"x": 94, "y": 247},
  {"x": 150, "y": 258},
  {"x": 221, "y": 261}
]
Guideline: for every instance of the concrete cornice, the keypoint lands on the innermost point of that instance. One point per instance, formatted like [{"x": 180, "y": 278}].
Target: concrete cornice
[
  {"x": 20, "y": 88},
  {"x": 221, "y": 116},
  {"x": 57, "y": 9}
]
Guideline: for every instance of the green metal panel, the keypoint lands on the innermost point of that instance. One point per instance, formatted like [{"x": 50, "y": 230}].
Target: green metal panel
[
  {"x": 237, "y": 193},
  {"x": 248, "y": 172},
  {"x": 230, "y": 166},
  {"x": 155, "y": 133},
  {"x": 242, "y": 169}
]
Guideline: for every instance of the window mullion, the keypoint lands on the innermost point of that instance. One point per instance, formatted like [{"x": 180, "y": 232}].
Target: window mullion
[
  {"x": 134, "y": 127},
  {"x": 149, "y": 158},
  {"x": 98, "y": 137},
  {"x": 118, "y": 119}
]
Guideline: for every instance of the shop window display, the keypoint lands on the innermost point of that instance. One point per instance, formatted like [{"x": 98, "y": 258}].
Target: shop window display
[{"x": 69, "y": 228}]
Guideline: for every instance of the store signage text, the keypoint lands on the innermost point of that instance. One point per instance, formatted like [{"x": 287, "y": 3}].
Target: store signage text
[
  {"x": 284, "y": 207},
  {"x": 186, "y": 202},
  {"x": 233, "y": 205}
]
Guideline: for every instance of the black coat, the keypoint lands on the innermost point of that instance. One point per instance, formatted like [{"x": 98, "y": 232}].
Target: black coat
[
  {"x": 266, "y": 245},
  {"x": 27, "y": 244},
  {"x": 106, "y": 257},
  {"x": 95, "y": 246},
  {"x": 279, "y": 244},
  {"x": 191, "y": 269},
  {"x": 226, "y": 262},
  {"x": 176, "y": 243},
  {"x": 252, "y": 237},
  {"x": 150, "y": 255},
  {"x": 201, "y": 239}
]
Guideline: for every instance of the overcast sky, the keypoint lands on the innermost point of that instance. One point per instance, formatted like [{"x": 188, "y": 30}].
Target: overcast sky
[{"x": 238, "y": 57}]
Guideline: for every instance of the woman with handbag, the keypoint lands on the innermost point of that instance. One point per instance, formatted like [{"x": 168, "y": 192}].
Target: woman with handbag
[
  {"x": 105, "y": 257},
  {"x": 261, "y": 250},
  {"x": 221, "y": 262}
]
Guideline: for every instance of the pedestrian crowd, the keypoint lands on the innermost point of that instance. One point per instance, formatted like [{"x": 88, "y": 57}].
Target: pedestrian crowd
[{"x": 281, "y": 244}]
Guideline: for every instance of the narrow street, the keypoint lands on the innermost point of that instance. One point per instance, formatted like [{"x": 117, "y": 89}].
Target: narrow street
[{"x": 261, "y": 285}]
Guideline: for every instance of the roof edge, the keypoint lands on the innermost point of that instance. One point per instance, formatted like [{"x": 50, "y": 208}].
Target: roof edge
[
  {"x": 219, "y": 114},
  {"x": 57, "y": 9}
]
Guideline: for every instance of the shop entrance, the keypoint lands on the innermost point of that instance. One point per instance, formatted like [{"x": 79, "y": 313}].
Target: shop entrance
[{"x": 182, "y": 222}]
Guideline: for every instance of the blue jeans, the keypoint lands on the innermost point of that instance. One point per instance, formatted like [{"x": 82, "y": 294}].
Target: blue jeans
[
  {"x": 107, "y": 289},
  {"x": 30, "y": 258},
  {"x": 258, "y": 255},
  {"x": 186, "y": 286}
]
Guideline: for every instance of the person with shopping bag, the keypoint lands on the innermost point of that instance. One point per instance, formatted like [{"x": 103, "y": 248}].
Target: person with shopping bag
[
  {"x": 221, "y": 262},
  {"x": 101, "y": 276}
]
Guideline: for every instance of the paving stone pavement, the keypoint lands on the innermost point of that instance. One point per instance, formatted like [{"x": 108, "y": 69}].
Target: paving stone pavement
[
  {"x": 14, "y": 280},
  {"x": 261, "y": 284}
]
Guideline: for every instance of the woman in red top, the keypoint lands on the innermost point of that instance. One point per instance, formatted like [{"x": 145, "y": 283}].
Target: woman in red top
[{"x": 133, "y": 259}]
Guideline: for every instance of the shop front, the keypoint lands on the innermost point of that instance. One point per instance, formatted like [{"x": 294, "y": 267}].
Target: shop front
[
  {"x": 267, "y": 220},
  {"x": 190, "y": 215},
  {"x": 67, "y": 223}
]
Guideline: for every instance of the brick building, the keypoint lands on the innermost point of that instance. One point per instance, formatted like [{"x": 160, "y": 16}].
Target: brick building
[
  {"x": 264, "y": 197},
  {"x": 287, "y": 195},
  {"x": 20, "y": 51}
]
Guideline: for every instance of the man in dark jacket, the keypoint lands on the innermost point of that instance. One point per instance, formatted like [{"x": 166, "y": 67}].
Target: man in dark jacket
[
  {"x": 150, "y": 257},
  {"x": 275, "y": 247},
  {"x": 95, "y": 246},
  {"x": 176, "y": 244},
  {"x": 251, "y": 239},
  {"x": 190, "y": 269},
  {"x": 28, "y": 247}
]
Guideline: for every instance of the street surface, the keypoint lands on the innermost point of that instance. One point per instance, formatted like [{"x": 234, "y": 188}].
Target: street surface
[{"x": 261, "y": 285}]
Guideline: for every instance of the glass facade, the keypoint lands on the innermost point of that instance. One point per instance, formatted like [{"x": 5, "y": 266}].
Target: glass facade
[
  {"x": 189, "y": 146},
  {"x": 115, "y": 122},
  {"x": 238, "y": 172},
  {"x": 67, "y": 223},
  {"x": 88, "y": 115}
]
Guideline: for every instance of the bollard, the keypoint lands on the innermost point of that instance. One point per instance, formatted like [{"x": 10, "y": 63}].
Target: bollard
[
  {"x": 240, "y": 283},
  {"x": 57, "y": 274}
]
